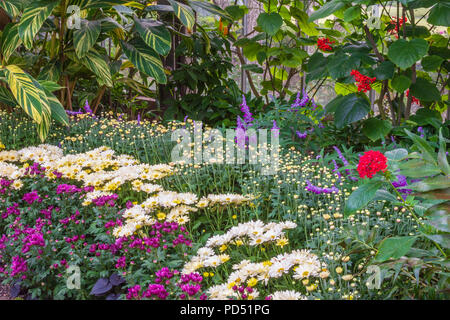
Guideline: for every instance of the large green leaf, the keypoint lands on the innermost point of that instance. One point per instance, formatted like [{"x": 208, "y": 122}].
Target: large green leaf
[
  {"x": 405, "y": 53},
  {"x": 307, "y": 27},
  {"x": 434, "y": 183},
  {"x": 362, "y": 196},
  {"x": 384, "y": 71},
  {"x": 33, "y": 18},
  {"x": 440, "y": 15},
  {"x": 349, "y": 109},
  {"x": 86, "y": 37},
  {"x": 395, "y": 247},
  {"x": 86, "y": 4},
  {"x": 376, "y": 129},
  {"x": 442, "y": 157},
  {"x": 340, "y": 65},
  {"x": 145, "y": 59},
  {"x": 427, "y": 150},
  {"x": 396, "y": 154},
  {"x": 155, "y": 35},
  {"x": 10, "y": 40},
  {"x": 28, "y": 93},
  {"x": 431, "y": 63},
  {"x": 97, "y": 64},
  {"x": 7, "y": 98},
  {"x": 400, "y": 83},
  {"x": 326, "y": 10},
  {"x": 184, "y": 13},
  {"x": 424, "y": 90},
  {"x": 418, "y": 169},
  {"x": 270, "y": 23}
]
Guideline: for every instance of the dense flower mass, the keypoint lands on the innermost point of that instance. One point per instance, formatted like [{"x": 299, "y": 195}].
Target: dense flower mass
[
  {"x": 363, "y": 81},
  {"x": 324, "y": 44},
  {"x": 370, "y": 163}
]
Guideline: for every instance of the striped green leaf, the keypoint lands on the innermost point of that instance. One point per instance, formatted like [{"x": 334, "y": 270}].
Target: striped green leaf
[
  {"x": 51, "y": 71},
  {"x": 28, "y": 93},
  {"x": 85, "y": 37},
  {"x": 184, "y": 13},
  {"x": 9, "y": 8},
  {"x": 44, "y": 126},
  {"x": 145, "y": 59},
  {"x": 97, "y": 64},
  {"x": 10, "y": 40},
  {"x": 33, "y": 18},
  {"x": 57, "y": 110},
  {"x": 155, "y": 35}
]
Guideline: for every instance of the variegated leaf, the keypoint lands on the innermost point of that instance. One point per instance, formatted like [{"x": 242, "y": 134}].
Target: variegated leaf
[
  {"x": 9, "y": 8},
  {"x": 97, "y": 64},
  {"x": 57, "y": 110},
  {"x": 145, "y": 59},
  {"x": 184, "y": 13},
  {"x": 10, "y": 40},
  {"x": 85, "y": 37},
  {"x": 33, "y": 18},
  {"x": 155, "y": 35},
  {"x": 51, "y": 71},
  {"x": 86, "y": 4},
  {"x": 210, "y": 8},
  {"x": 28, "y": 93}
]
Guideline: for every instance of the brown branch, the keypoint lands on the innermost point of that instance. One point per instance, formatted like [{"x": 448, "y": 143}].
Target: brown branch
[{"x": 249, "y": 77}]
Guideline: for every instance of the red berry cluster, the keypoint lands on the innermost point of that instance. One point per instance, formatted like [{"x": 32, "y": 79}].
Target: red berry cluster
[
  {"x": 397, "y": 26},
  {"x": 414, "y": 99},
  {"x": 324, "y": 44},
  {"x": 364, "y": 82},
  {"x": 370, "y": 163}
]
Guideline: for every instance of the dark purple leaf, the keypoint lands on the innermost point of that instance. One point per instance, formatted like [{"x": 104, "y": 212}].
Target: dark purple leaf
[
  {"x": 113, "y": 296},
  {"x": 14, "y": 291}
]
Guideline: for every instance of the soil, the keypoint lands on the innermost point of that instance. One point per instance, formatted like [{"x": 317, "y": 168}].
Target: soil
[{"x": 4, "y": 292}]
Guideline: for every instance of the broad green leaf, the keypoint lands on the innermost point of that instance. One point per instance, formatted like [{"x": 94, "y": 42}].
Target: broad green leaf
[
  {"x": 431, "y": 63},
  {"x": 438, "y": 182},
  {"x": 49, "y": 85},
  {"x": 86, "y": 37},
  {"x": 425, "y": 90},
  {"x": 376, "y": 129},
  {"x": 307, "y": 27},
  {"x": 384, "y": 71},
  {"x": 86, "y": 4},
  {"x": 401, "y": 83},
  {"x": 44, "y": 126},
  {"x": 440, "y": 15},
  {"x": 51, "y": 71},
  {"x": 97, "y": 64},
  {"x": 345, "y": 88},
  {"x": 352, "y": 13},
  {"x": 442, "y": 239},
  {"x": 10, "y": 40},
  {"x": 340, "y": 65},
  {"x": 405, "y": 53},
  {"x": 33, "y": 18},
  {"x": 353, "y": 108},
  {"x": 252, "y": 68},
  {"x": 270, "y": 23},
  {"x": 7, "y": 98},
  {"x": 418, "y": 169},
  {"x": 145, "y": 59},
  {"x": 362, "y": 196},
  {"x": 184, "y": 13},
  {"x": 27, "y": 92},
  {"x": 396, "y": 154},
  {"x": 427, "y": 150},
  {"x": 395, "y": 248},
  {"x": 327, "y": 9},
  {"x": 442, "y": 157},
  {"x": 382, "y": 194},
  {"x": 439, "y": 218},
  {"x": 155, "y": 35}
]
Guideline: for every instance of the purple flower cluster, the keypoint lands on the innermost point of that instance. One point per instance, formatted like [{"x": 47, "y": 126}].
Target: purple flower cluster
[
  {"x": 35, "y": 169},
  {"x": 11, "y": 210},
  {"x": 31, "y": 197},
  {"x": 105, "y": 200},
  {"x": 190, "y": 285},
  {"x": 318, "y": 190},
  {"x": 298, "y": 103},
  {"x": 18, "y": 265}
]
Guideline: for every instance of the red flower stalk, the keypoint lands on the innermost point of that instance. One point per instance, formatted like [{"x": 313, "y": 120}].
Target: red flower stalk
[
  {"x": 397, "y": 26},
  {"x": 324, "y": 44},
  {"x": 364, "y": 82},
  {"x": 414, "y": 99},
  {"x": 370, "y": 163}
]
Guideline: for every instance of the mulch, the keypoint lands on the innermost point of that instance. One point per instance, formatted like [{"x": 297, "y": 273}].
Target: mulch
[{"x": 4, "y": 292}]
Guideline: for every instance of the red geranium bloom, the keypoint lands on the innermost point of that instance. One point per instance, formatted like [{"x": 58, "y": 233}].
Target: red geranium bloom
[
  {"x": 370, "y": 163},
  {"x": 324, "y": 44},
  {"x": 364, "y": 82},
  {"x": 397, "y": 26}
]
